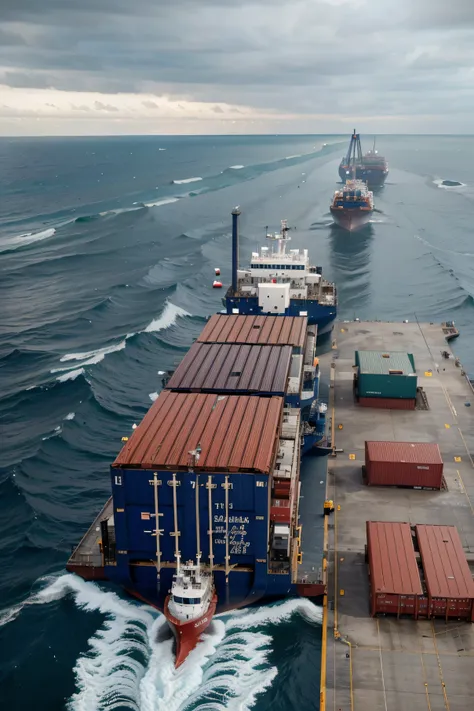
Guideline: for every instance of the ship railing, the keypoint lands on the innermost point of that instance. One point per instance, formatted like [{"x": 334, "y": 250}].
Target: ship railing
[
  {"x": 279, "y": 567},
  {"x": 268, "y": 257},
  {"x": 92, "y": 560}
]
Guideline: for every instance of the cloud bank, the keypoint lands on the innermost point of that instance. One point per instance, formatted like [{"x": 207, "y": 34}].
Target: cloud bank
[{"x": 209, "y": 66}]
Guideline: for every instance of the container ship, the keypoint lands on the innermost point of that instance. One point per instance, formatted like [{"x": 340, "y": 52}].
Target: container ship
[
  {"x": 352, "y": 207},
  {"x": 204, "y": 513},
  {"x": 280, "y": 281},
  {"x": 371, "y": 167}
]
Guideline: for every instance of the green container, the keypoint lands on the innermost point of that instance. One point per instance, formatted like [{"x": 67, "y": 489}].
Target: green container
[{"x": 387, "y": 374}]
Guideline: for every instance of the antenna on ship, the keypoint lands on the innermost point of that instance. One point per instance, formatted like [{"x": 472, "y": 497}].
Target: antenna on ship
[{"x": 195, "y": 454}]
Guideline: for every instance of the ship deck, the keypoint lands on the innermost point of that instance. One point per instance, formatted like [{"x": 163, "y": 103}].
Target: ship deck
[
  {"x": 87, "y": 553},
  {"x": 385, "y": 664},
  {"x": 313, "y": 473}
]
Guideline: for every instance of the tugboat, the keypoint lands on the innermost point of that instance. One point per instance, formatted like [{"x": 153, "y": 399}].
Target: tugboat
[
  {"x": 352, "y": 207},
  {"x": 280, "y": 282},
  {"x": 190, "y": 606},
  {"x": 371, "y": 167}
]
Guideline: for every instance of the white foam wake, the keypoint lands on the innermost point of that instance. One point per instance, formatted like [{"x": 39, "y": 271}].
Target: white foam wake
[
  {"x": 25, "y": 239},
  {"x": 439, "y": 183},
  {"x": 129, "y": 661},
  {"x": 168, "y": 318},
  {"x": 236, "y": 167},
  {"x": 158, "y": 203},
  {"x": 186, "y": 180}
]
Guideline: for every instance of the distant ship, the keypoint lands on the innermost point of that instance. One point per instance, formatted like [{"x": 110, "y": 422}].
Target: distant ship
[
  {"x": 352, "y": 207},
  {"x": 371, "y": 167},
  {"x": 280, "y": 282}
]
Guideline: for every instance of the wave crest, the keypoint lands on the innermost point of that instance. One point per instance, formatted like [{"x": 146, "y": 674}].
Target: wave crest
[
  {"x": 28, "y": 238},
  {"x": 168, "y": 318},
  {"x": 186, "y": 180}
]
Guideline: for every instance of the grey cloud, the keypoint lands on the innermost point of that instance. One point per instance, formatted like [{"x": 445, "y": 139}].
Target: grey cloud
[
  {"x": 26, "y": 80},
  {"x": 104, "y": 107},
  {"x": 10, "y": 39},
  {"x": 444, "y": 14},
  {"x": 308, "y": 56},
  {"x": 150, "y": 105}
]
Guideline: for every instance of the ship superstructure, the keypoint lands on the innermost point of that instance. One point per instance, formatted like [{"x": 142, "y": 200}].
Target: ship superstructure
[
  {"x": 371, "y": 167},
  {"x": 280, "y": 281},
  {"x": 352, "y": 207}
]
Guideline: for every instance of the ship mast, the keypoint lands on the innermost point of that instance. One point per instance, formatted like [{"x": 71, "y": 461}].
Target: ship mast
[
  {"x": 195, "y": 453},
  {"x": 280, "y": 238},
  {"x": 176, "y": 534}
]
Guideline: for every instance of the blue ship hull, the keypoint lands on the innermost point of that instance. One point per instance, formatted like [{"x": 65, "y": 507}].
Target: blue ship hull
[
  {"x": 241, "y": 590},
  {"x": 319, "y": 314},
  {"x": 374, "y": 177}
]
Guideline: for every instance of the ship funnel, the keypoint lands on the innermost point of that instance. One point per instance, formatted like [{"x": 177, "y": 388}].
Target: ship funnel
[{"x": 235, "y": 247}]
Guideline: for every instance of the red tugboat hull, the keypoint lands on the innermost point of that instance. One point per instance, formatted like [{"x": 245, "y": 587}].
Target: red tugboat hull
[{"x": 187, "y": 633}]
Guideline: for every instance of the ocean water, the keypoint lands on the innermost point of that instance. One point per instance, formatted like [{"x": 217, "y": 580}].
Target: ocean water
[{"x": 107, "y": 256}]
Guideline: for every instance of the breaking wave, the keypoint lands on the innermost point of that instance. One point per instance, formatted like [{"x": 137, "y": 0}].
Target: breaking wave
[
  {"x": 168, "y": 318},
  {"x": 186, "y": 180},
  {"x": 236, "y": 167},
  {"x": 25, "y": 239},
  {"x": 70, "y": 371},
  {"x": 158, "y": 203},
  {"x": 69, "y": 375}
]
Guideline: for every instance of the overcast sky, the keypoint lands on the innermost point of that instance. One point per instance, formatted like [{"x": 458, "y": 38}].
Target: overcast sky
[{"x": 223, "y": 66}]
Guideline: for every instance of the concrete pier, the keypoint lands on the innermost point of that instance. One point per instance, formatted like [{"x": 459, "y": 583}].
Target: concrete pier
[{"x": 385, "y": 664}]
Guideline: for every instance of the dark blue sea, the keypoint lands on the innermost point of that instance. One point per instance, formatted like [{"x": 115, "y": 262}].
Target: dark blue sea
[{"x": 107, "y": 256}]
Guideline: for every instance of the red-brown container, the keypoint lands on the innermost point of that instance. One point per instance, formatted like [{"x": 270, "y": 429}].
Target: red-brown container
[
  {"x": 404, "y": 464},
  {"x": 387, "y": 403},
  {"x": 280, "y": 510},
  {"x": 395, "y": 585},
  {"x": 447, "y": 576}
]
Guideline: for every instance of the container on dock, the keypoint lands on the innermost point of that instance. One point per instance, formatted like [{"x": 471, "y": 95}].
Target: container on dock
[
  {"x": 447, "y": 576},
  {"x": 230, "y": 368},
  {"x": 387, "y": 403},
  {"x": 395, "y": 585},
  {"x": 385, "y": 375},
  {"x": 415, "y": 464}
]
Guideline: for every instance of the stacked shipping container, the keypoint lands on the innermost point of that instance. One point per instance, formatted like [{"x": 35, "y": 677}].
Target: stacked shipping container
[
  {"x": 212, "y": 471},
  {"x": 386, "y": 380},
  {"x": 446, "y": 588},
  {"x": 395, "y": 585},
  {"x": 447, "y": 576}
]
